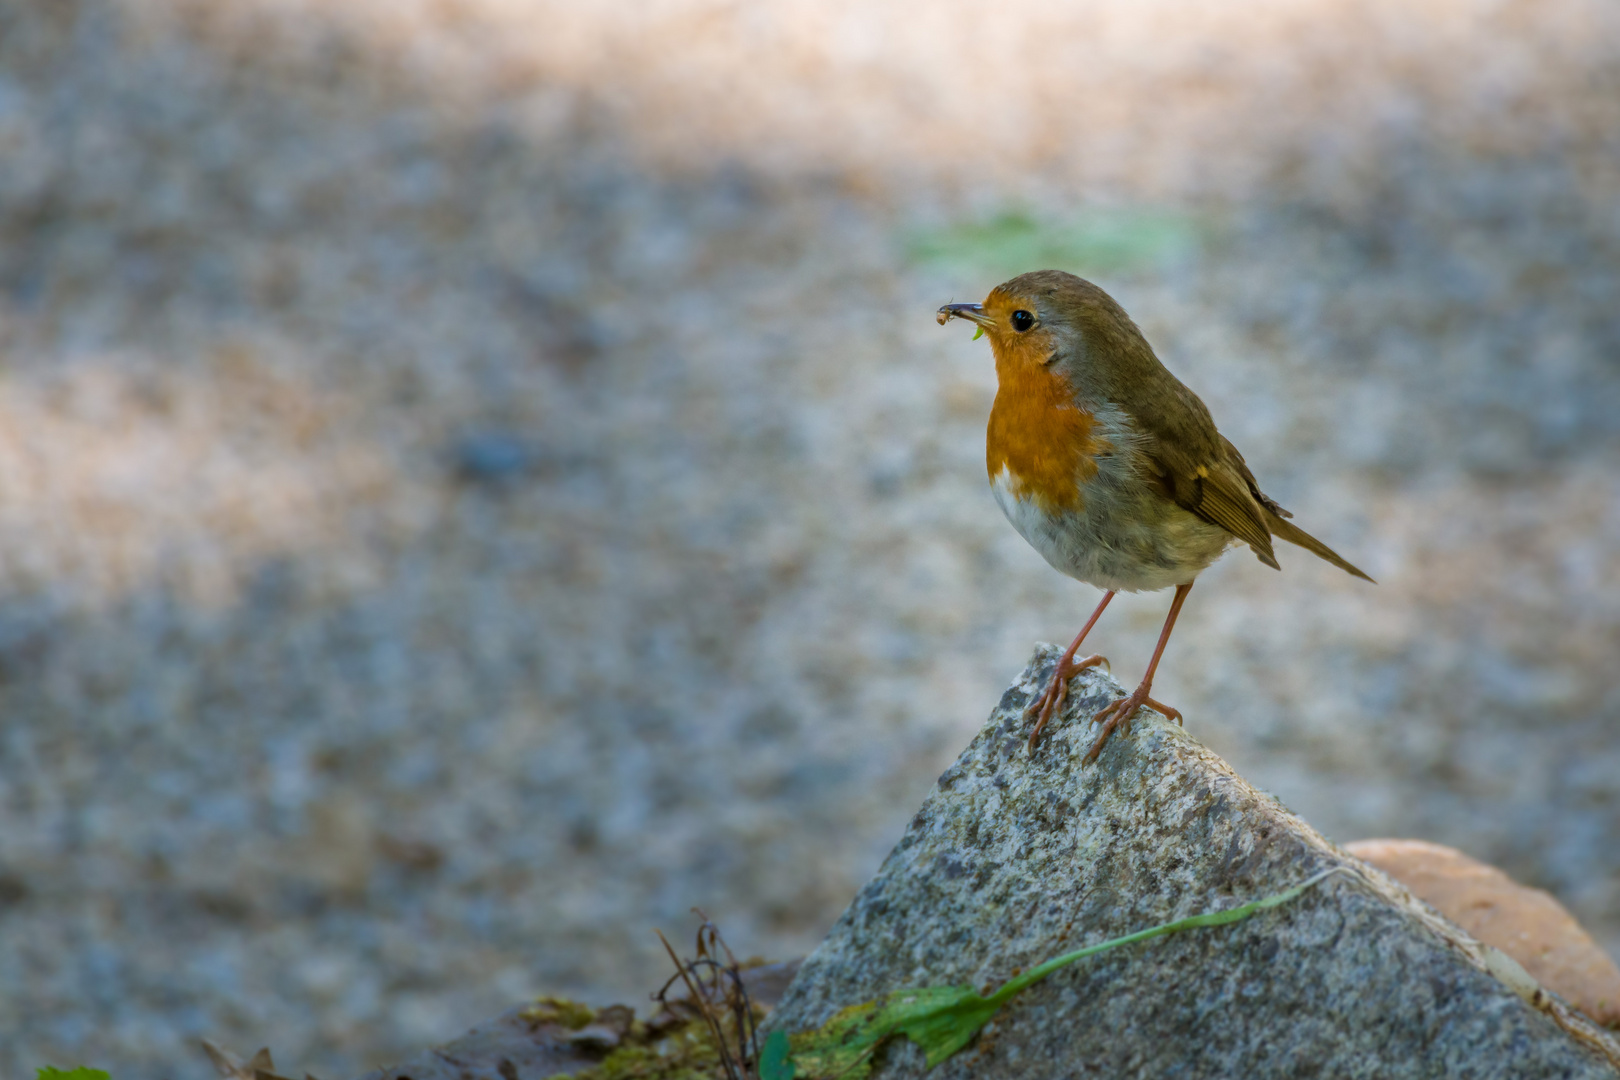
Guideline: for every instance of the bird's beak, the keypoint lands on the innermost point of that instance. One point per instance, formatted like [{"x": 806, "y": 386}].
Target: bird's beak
[{"x": 972, "y": 312}]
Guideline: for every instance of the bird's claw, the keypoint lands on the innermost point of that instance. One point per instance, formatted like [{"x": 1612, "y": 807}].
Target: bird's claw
[
  {"x": 1050, "y": 703},
  {"x": 1118, "y": 717}
]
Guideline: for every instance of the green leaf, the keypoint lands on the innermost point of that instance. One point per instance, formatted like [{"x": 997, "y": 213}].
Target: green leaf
[
  {"x": 943, "y": 1019},
  {"x": 773, "y": 1059},
  {"x": 46, "y": 1072}
]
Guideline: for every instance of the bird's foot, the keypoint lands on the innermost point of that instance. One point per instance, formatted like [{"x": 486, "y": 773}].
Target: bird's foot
[
  {"x": 1118, "y": 716},
  {"x": 1050, "y": 703}
]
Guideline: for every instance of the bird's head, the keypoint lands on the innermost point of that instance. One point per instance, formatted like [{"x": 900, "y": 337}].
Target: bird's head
[{"x": 1053, "y": 320}]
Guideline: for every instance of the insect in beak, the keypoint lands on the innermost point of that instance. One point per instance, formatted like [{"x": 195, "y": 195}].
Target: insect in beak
[{"x": 974, "y": 313}]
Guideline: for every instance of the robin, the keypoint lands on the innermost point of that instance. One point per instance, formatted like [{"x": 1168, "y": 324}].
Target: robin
[{"x": 1109, "y": 466}]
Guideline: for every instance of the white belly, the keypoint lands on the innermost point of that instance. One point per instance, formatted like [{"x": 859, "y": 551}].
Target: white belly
[{"x": 1124, "y": 536}]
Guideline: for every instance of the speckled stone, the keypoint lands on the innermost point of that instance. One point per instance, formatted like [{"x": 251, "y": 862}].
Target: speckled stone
[{"x": 1016, "y": 858}]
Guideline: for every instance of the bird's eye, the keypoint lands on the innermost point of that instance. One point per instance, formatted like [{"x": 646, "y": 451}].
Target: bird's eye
[{"x": 1022, "y": 320}]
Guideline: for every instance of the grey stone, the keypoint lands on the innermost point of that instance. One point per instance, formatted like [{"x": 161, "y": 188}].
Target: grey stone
[{"x": 1016, "y": 858}]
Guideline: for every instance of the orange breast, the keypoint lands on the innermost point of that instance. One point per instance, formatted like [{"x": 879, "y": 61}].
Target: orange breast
[{"x": 1037, "y": 433}]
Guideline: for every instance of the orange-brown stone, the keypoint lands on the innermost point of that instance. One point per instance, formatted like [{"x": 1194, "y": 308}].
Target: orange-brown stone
[{"x": 1527, "y": 924}]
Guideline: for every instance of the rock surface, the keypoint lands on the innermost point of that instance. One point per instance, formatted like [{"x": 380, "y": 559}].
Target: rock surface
[
  {"x": 1017, "y": 858},
  {"x": 1528, "y": 924}
]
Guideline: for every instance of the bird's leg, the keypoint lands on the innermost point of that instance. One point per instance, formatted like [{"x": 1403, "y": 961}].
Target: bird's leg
[
  {"x": 1118, "y": 715},
  {"x": 1049, "y": 703}
]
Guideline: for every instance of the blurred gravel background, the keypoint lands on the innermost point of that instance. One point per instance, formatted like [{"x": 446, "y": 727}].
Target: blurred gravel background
[{"x": 480, "y": 477}]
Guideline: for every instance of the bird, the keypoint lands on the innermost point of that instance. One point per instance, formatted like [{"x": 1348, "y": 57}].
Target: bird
[{"x": 1110, "y": 467}]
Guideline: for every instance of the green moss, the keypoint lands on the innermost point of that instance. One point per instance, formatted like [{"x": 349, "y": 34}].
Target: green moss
[
  {"x": 688, "y": 1053},
  {"x": 558, "y": 1010}
]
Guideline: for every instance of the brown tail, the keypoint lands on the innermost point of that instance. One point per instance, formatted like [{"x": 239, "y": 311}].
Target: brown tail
[{"x": 1284, "y": 529}]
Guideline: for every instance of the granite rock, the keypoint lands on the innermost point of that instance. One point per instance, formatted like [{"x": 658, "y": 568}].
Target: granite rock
[{"x": 1016, "y": 858}]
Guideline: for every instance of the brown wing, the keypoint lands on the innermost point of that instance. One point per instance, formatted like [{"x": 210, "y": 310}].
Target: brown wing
[
  {"x": 1242, "y": 467},
  {"x": 1200, "y": 471},
  {"x": 1218, "y": 493},
  {"x": 1244, "y": 511}
]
